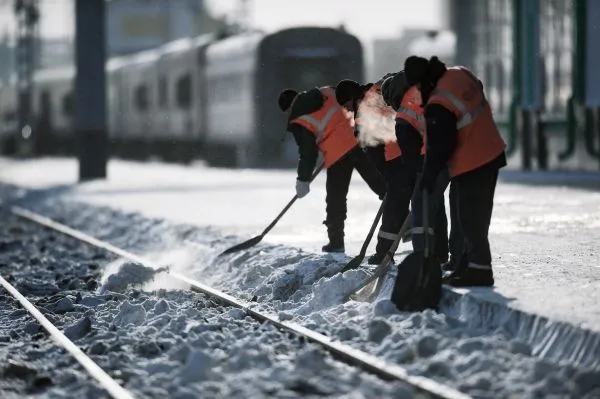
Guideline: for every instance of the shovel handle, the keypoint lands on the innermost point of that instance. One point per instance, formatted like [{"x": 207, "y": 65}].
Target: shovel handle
[
  {"x": 289, "y": 205},
  {"x": 426, "y": 221}
]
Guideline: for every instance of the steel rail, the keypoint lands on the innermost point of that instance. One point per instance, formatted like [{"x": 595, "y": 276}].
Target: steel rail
[
  {"x": 339, "y": 350},
  {"x": 106, "y": 381}
]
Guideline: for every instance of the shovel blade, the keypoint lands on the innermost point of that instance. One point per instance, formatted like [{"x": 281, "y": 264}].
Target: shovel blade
[
  {"x": 418, "y": 284},
  {"x": 353, "y": 264},
  {"x": 244, "y": 245},
  {"x": 406, "y": 280}
]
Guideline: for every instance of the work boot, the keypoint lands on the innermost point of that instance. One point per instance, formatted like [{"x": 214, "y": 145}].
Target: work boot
[
  {"x": 383, "y": 245},
  {"x": 377, "y": 258},
  {"x": 336, "y": 241},
  {"x": 449, "y": 266},
  {"x": 471, "y": 277}
]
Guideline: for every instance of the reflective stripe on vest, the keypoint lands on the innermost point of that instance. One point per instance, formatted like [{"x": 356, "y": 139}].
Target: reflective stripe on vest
[
  {"x": 410, "y": 111},
  {"x": 467, "y": 117},
  {"x": 332, "y": 127},
  {"x": 403, "y": 111},
  {"x": 322, "y": 124}
]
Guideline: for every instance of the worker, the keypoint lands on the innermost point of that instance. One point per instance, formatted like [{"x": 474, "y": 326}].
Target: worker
[
  {"x": 385, "y": 153},
  {"x": 462, "y": 136},
  {"x": 410, "y": 135},
  {"x": 318, "y": 123}
]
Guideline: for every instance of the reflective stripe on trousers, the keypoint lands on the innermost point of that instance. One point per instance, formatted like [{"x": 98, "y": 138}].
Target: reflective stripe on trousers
[
  {"x": 477, "y": 266},
  {"x": 420, "y": 230},
  {"x": 387, "y": 235}
]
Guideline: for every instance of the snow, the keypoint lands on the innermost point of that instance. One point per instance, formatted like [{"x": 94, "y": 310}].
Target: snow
[
  {"x": 172, "y": 343},
  {"x": 181, "y": 218},
  {"x": 543, "y": 238}
]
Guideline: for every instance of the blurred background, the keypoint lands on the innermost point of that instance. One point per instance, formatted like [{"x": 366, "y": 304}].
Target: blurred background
[{"x": 191, "y": 80}]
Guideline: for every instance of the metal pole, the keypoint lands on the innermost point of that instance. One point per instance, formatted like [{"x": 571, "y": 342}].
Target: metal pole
[
  {"x": 90, "y": 89},
  {"x": 27, "y": 19}
]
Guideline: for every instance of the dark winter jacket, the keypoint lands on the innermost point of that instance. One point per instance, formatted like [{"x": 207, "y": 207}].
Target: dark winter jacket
[{"x": 307, "y": 102}]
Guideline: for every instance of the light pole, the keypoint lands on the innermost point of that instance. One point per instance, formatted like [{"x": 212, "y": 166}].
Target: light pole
[{"x": 27, "y": 15}]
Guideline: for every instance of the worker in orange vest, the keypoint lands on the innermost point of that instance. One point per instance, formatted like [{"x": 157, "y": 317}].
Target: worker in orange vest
[
  {"x": 411, "y": 137},
  {"x": 318, "y": 123},
  {"x": 461, "y": 135},
  {"x": 385, "y": 153}
]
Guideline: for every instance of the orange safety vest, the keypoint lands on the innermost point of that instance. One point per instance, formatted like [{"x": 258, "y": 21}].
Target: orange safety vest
[
  {"x": 479, "y": 140},
  {"x": 391, "y": 149},
  {"x": 332, "y": 126},
  {"x": 411, "y": 111}
]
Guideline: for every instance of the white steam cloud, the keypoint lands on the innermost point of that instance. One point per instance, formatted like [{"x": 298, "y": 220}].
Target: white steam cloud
[
  {"x": 376, "y": 121},
  {"x": 122, "y": 274}
]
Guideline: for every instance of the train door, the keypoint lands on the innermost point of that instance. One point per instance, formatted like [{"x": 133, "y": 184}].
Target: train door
[{"x": 43, "y": 134}]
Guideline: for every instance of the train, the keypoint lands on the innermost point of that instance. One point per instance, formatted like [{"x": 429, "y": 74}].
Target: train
[
  {"x": 210, "y": 98},
  {"x": 214, "y": 98}
]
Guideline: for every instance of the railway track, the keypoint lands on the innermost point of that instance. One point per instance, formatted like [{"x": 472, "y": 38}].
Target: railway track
[{"x": 424, "y": 387}]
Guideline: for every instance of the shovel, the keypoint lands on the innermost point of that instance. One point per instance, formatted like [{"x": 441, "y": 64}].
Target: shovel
[
  {"x": 381, "y": 269},
  {"x": 255, "y": 240},
  {"x": 357, "y": 260},
  {"x": 419, "y": 282}
]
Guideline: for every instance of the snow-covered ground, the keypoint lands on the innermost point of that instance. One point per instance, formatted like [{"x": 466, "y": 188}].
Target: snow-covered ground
[
  {"x": 188, "y": 215},
  {"x": 544, "y": 239},
  {"x": 161, "y": 343}
]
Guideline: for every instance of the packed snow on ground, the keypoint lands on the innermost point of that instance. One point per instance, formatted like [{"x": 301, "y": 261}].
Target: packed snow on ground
[
  {"x": 305, "y": 287},
  {"x": 162, "y": 343}
]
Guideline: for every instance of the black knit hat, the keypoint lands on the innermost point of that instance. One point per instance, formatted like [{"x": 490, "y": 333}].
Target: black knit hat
[
  {"x": 286, "y": 98},
  {"x": 393, "y": 89},
  {"x": 347, "y": 90},
  {"x": 415, "y": 69}
]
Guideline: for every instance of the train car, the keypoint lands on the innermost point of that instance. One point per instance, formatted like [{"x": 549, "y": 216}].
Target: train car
[
  {"x": 116, "y": 103},
  {"x": 137, "y": 92},
  {"x": 180, "y": 115},
  {"x": 8, "y": 117},
  {"x": 246, "y": 73},
  {"x": 205, "y": 97},
  {"x": 53, "y": 110}
]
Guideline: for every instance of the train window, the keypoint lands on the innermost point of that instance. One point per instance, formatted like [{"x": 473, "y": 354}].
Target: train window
[
  {"x": 142, "y": 102},
  {"x": 184, "y": 91},
  {"x": 163, "y": 94},
  {"x": 494, "y": 51},
  {"x": 556, "y": 50},
  {"x": 226, "y": 88},
  {"x": 67, "y": 104}
]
